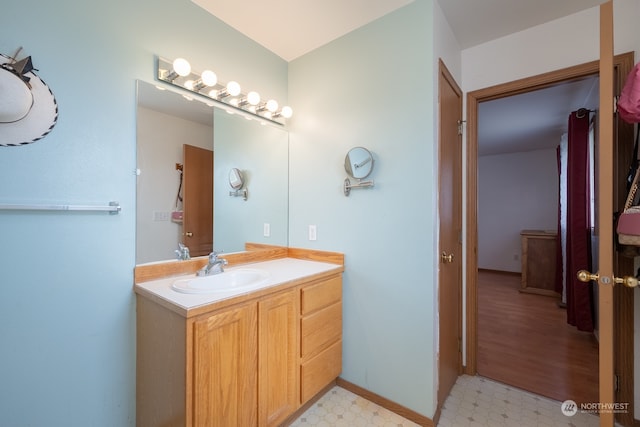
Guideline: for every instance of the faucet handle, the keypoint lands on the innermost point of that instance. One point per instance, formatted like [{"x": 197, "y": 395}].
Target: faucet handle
[
  {"x": 182, "y": 252},
  {"x": 214, "y": 255}
]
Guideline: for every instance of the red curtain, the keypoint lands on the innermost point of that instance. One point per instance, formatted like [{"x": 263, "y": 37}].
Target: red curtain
[{"x": 579, "y": 295}]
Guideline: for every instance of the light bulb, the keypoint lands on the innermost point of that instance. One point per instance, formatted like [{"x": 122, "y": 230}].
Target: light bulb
[
  {"x": 209, "y": 78},
  {"x": 182, "y": 67},
  {"x": 234, "y": 102},
  {"x": 233, "y": 88},
  {"x": 253, "y": 98},
  {"x": 213, "y": 93},
  {"x": 272, "y": 105},
  {"x": 189, "y": 84},
  {"x": 286, "y": 112}
]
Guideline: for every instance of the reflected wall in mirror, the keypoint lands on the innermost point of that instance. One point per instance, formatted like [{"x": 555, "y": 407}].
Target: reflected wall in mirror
[
  {"x": 166, "y": 123},
  {"x": 261, "y": 152}
]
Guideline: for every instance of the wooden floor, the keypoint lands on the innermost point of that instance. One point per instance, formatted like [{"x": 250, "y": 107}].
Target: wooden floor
[{"x": 524, "y": 341}]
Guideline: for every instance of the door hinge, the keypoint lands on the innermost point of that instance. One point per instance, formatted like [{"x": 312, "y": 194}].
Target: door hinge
[
  {"x": 615, "y": 104},
  {"x": 460, "y": 124},
  {"x": 616, "y": 383}
]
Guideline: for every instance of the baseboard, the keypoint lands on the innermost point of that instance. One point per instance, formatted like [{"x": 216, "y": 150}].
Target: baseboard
[
  {"x": 387, "y": 404},
  {"x": 507, "y": 273}
]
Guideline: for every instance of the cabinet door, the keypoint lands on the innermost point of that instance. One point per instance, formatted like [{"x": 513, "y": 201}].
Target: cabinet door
[
  {"x": 278, "y": 344},
  {"x": 225, "y": 368}
]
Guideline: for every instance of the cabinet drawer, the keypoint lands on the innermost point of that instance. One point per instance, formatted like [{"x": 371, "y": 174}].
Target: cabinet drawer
[
  {"x": 321, "y": 294},
  {"x": 318, "y": 372},
  {"x": 321, "y": 328}
]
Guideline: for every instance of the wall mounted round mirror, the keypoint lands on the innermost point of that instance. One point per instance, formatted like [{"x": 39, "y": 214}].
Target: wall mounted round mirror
[
  {"x": 358, "y": 163},
  {"x": 236, "y": 180}
]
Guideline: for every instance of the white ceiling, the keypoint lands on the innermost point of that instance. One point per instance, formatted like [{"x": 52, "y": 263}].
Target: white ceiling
[
  {"x": 478, "y": 21},
  {"x": 534, "y": 120},
  {"x": 291, "y": 28}
]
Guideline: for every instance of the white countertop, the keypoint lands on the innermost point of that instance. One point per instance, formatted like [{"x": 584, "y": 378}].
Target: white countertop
[{"x": 281, "y": 271}]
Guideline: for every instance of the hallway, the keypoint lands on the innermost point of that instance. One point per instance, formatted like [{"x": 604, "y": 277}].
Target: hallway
[{"x": 524, "y": 341}]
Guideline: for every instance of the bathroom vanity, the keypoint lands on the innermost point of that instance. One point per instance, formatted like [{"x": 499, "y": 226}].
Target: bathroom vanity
[{"x": 240, "y": 357}]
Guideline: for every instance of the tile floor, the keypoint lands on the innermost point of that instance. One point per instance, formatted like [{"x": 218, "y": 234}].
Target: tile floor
[
  {"x": 340, "y": 407},
  {"x": 474, "y": 401}
]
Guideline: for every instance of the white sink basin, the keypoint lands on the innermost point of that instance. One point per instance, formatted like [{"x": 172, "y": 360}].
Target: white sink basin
[{"x": 230, "y": 280}]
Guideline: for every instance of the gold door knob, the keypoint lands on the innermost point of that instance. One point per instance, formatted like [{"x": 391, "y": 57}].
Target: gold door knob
[
  {"x": 446, "y": 259},
  {"x": 628, "y": 281},
  {"x": 586, "y": 276},
  {"x": 188, "y": 234}
]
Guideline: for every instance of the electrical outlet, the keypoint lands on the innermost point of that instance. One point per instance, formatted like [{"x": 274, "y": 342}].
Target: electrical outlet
[
  {"x": 266, "y": 230},
  {"x": 161, "y": 216},
  {"x": 313, "y": 232}
]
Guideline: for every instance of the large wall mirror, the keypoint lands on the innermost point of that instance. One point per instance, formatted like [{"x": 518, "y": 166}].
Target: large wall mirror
[{"x": 176, "y": 136}]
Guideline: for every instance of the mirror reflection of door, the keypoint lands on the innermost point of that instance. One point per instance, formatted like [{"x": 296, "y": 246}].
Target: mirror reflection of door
[{"x": 197, "y": 226}]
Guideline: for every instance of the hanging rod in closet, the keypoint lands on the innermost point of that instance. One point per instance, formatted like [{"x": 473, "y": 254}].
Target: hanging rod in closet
[{"x": 113, "y": 207}]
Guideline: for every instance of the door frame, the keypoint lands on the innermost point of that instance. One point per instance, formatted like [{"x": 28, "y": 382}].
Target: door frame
[{"x": 624, "y": 332}]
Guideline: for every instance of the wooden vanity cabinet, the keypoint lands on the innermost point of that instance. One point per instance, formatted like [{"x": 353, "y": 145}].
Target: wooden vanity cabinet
[
  {"x": 278, "y": 358},
  {"x": 250, "y": 364},
  {"x": 224, "y": 369},
  {"x": 235, "y": 348},
  {"x": 320, "y": 335}
]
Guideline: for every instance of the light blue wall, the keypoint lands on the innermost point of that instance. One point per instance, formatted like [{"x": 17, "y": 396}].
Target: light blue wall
[
  {"x": 67, "y": 330},
  {"x": 68, "y": 333},
  {"x": 374, "y": 88},
  {"x": 261, "y": 152}
]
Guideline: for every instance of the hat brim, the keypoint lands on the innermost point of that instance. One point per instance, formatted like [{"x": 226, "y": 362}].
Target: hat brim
[{"x": 38, "y": 122}]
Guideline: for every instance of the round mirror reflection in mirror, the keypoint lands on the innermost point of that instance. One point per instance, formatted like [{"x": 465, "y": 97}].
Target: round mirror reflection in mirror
[
  {"x": 358, "y": 163},
  {"x": 236, "y": 181}
]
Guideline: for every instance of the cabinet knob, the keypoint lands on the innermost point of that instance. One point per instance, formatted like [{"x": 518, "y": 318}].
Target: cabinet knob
[{"x": 188, "y": 234}]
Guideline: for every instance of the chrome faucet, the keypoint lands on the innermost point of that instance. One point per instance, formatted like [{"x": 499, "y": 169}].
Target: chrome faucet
[
  {"x": 182, "y": 252},
  {"x": 214, "y": 267}
]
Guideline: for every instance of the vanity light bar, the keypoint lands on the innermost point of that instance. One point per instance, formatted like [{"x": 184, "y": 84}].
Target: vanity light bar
[{"x": 179, "y": 73}]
